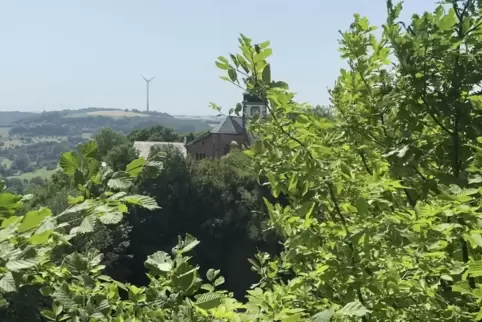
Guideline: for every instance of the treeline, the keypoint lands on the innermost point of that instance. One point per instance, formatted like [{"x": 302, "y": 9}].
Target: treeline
[{"x": 29, "y": 157}]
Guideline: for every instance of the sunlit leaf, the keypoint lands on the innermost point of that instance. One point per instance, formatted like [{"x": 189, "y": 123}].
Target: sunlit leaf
[
  {"x": 142, "y": 201},
  {"x": 135, "y": 167},
  {"x": 353, "y": 309},
  {"x": 111, "y": 218},
  {"x": 69, "y": 162},
  {"x": 208, "y": 300},
  {"x": 7, "y": 283},
  {"x": 33, "y": 219}
]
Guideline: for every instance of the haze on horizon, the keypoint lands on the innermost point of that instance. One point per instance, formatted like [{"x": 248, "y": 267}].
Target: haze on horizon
[{"x": 64, "y": 54}]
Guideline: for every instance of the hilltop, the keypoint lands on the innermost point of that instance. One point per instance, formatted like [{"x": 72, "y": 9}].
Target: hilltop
[
  {"x": 7, "y": 118},
  {"x": 90, "y": 120}
]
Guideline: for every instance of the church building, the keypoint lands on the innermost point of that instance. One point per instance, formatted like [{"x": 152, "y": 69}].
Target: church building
[{"x": 231, "y": 130}]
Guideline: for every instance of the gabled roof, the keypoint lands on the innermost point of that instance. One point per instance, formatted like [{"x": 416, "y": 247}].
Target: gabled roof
[
  {"x": 229, "y": 125},
  {"x": 144, "y": 147}
]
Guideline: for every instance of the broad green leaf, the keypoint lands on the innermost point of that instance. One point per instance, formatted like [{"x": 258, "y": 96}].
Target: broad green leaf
[
  {"x": 33, "y": 219},
  {"x": 221, "y": 65},
  {"x": 475, "y": 268},
  {"x": 69, "y": 162},
  {"x": 263, "y": 54},
  {"x": 208, "y": 301},
  {"x": 324, "y": 316},
  {"x": 264, "y": 44},
  {"x": 233, "y": 76},
  {"x": 159, "y": 261},
  {"x": 111, "y": 218},
  {"x": 475, "y": 179},
  {"x": 63, "y": 296},
  {"x": 474, "y": 239},
  {"x": 353, "y": 309},
  {"x": 120, "y": 181},
  {"x": 362, "y": 206},
  {"x": 11, "y": 221},
  {"x": 76, "y": 263},
  {"x": 7, "y": 283},
  {"x": 135, "y": 167},
  {"x": 89, "y": 149},
  {"x": 448, "y": 21},
  {"x": 292, "y": 318},
  {"x": 49, "y": 315},
  {"x": 184, "y": 277},
  {"x": 9, "y": 203},
  {"x": 41, "y": 238},
  {"x": 207, "y": 287},
  {"x": 57, "y": 308},
  {"x": 16, "y": 265},
  {"x": 74, "y": 200},
  {"x": 46, "y": 290},
  {"x": 219, "y": 281},
  {"x": 211, "y": 274},
  {"x": 293, "y": 182},
  {"x": 87, "y": 225},
  {"x": 188, "y": 243},
  {"x": 142, "y": 201},
  {"x": 462, "y": 287}
]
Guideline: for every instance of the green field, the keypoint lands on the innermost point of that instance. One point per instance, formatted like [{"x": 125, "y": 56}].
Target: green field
[
  {"x": 43, "y": 173},
  {"x": 87, "y": 136},
  {"x": 18, "y": 141}
]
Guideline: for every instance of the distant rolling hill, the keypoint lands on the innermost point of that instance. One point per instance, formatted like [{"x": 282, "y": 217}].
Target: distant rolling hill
[
  {"x": 93, "y": 119},
  {"x": 6, "y": 118}
]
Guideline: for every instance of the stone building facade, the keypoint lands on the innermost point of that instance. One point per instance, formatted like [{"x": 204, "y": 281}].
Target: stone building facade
[
  {"x": 218, "y": 141},
  {"x": 231, "y": 130}
]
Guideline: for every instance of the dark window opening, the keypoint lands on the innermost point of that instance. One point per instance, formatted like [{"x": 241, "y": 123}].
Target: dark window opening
[{"x": 200, "y": 156}]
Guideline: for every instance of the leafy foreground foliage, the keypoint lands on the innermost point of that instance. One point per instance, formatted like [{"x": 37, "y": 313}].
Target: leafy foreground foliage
[
  {"x": 384, "y": 195},
  {"x": 74, "y": 283},
  {"x": 383, "y": 221}
]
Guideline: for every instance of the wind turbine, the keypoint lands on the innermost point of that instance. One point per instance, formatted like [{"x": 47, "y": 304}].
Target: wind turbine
[{"x": 148, "y": 81}]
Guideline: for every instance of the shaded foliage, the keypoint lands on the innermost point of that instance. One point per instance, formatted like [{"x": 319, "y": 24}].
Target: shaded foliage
[{"x": 217, "y": 201}]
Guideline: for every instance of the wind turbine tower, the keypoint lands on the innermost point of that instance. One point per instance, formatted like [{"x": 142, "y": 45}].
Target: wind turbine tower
[{"x": 148, "y": 82}]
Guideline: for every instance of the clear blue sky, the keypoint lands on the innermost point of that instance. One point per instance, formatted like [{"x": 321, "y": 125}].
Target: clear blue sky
[{"x": 85, "y": 53}]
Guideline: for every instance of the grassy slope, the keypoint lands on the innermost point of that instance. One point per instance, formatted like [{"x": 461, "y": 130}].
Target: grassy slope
[{"x": 43, "y": 173}]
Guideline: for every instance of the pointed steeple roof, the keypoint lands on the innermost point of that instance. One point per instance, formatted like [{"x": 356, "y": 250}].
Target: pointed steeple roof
[{"x": 229, "y": 125}]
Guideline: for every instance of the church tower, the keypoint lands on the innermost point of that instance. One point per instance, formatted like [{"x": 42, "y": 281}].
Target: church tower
[{"x": 253, "y": 106}]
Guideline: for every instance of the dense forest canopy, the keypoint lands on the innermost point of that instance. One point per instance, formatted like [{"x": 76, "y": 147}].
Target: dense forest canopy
[{"x": 374, "y": 201}]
